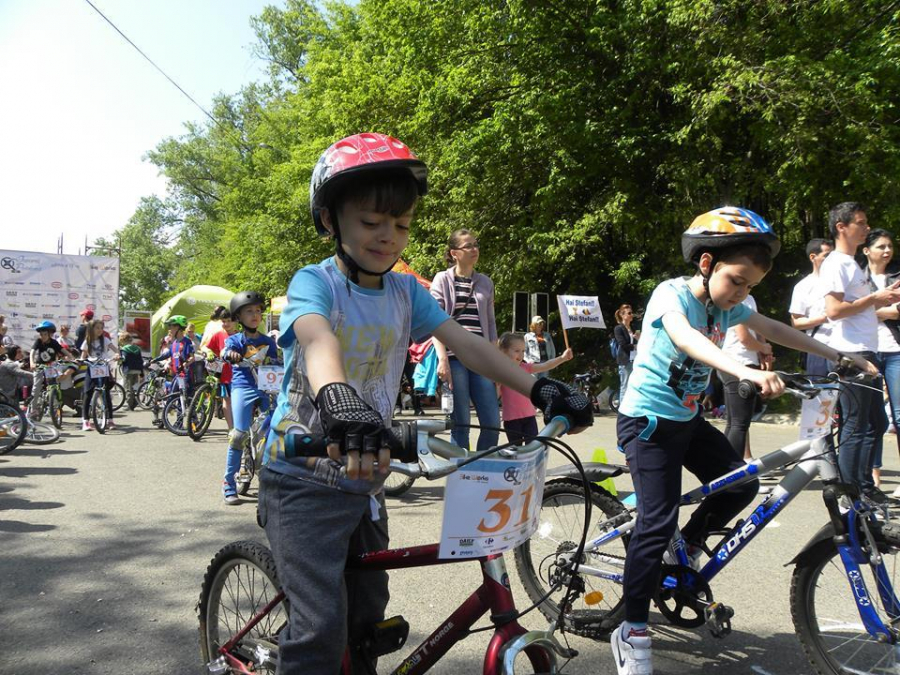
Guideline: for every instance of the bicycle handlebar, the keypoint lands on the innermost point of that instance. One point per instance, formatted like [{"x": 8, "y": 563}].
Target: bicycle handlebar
[
  {"x": 802, "y": 385},
  {"x": 420, "y": 435}
]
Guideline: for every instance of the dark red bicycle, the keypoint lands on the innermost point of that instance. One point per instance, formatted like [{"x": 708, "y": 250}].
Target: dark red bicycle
[{"x": 242, "y": 609}]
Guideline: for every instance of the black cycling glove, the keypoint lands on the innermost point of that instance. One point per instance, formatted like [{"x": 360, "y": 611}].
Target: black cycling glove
[
  {"x": 350, "y": 421},
  {"x": 556, "y": 398}
]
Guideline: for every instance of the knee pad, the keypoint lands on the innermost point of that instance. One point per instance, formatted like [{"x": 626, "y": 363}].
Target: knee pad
[{"x": 237, "y": 439}]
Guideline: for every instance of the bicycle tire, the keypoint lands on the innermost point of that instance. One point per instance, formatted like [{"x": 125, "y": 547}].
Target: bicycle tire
[
  {"x": 239, "y": 581},
  {"x": 200, "y": 413},
  {"x": 40, "y": 433},
  {"x": 56, "y": 408},
  {"x": 397, "y": 484},
  {"x": 99, "y": 412},
  {"x": 825, "y": 613},
  {"x": 244, "y": 477},
  {"x": 145, "y": 393},
  {"x": 12, "y": 428},
  {"x": 117, "y": 396},
  {"x": 173, "y": 416},
  {"x": 614, "y": 401},
  {"x": 560, "y": 529}
]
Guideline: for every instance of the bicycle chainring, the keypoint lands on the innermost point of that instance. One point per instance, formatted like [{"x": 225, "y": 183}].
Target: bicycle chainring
[{"x": 684, "y": 604}]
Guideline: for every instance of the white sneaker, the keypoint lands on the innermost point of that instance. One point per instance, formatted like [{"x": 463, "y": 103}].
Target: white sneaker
[
  {"x": 632, "y": 654},
  {"x": 87, "y": 426}
]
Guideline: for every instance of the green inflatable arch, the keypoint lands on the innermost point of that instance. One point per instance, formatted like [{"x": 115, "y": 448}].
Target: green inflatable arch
[{"x": 195, "y": 304}]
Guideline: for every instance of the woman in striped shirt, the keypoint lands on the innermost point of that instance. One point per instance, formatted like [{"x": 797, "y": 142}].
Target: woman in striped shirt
[{"x": 468, "y": 297}]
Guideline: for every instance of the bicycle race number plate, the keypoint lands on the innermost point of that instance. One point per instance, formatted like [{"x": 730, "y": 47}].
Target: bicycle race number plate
[
  {"x": 50, "y": 371},
  {"x": 816, "y": 415},
  {"x": 214, "y": 366},
  {"x": 100, "y": 370},
  {"x": 270, "y": 378},
  {"x": 491, "y": 506}
]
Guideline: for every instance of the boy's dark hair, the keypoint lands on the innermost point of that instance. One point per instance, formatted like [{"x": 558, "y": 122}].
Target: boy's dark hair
[
  {"x": 758, "y": 254},
  {"x": 220, "y": 313},
  {"x": 814, "y": 247},
  {"x": 393, "y": 191},
  {"x": 506, "y": 340},
  {"x": 842, "y": 213}
]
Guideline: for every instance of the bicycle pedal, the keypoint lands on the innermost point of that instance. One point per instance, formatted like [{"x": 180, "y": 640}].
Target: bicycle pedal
[
  {"x": 386, "y": 636},
  {"x": 718, "y": 619}
]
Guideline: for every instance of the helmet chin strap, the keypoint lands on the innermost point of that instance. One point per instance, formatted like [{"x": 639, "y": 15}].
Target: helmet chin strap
[
  {"x": 353, "y": 267},
  {"x": 709, "y": 301}
]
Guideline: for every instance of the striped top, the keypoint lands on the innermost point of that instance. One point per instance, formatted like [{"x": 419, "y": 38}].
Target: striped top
[{"x": 467, "y": 318}]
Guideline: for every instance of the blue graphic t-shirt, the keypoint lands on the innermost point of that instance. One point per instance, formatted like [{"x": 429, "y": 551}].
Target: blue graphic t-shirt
[
  {"x": 374, "y": 327},
  {"x": 240, "y": 343},
  {"x": 666, "y": 382}
]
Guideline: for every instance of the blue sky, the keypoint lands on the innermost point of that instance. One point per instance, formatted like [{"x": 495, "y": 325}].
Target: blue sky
[{"x": 81, "y": 107}]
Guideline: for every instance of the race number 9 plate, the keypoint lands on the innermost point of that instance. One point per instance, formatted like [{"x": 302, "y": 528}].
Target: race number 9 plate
[
  {"x": 270, "y": 378},
  {"x": 816, "y": 415},
  {"x": 492, "y": 505},
  {"x": 100, "y": 370}
]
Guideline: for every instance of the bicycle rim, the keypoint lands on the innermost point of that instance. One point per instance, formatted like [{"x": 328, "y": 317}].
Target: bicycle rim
[
  {"x": 174, "y": 417},
  {"x": 99, "y": 411},
  {"x": 117, "y": 396},
  {"x": 827, "y": 620},
  {"x": 240, "y": 581},
  {"x": 40, "y": 433},
  {"x": 200, "y": 414},
  {"x": 12, "y": 428},
  {"x": 559, "y": 531},
  {"x": 56, "y": 408}
]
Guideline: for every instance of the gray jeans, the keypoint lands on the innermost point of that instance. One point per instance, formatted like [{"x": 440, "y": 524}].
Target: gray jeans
[{"x": 312, "y": 529}]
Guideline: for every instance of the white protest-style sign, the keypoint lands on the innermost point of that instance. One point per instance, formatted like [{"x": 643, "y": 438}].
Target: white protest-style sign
[
  {"x": 35, "y": 287},
  {"x": 492, "y": 505},
  {"x": 580, "y": 311},
  {"x": 270, "y": 378},
  {"x": 816, "y": 415}
]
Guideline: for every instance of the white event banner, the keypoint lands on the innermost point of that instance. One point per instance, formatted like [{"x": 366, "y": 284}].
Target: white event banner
[
  {"x": 35, "y": 287},
  {"x": 580, "y": 311},
  {"x": 492, "y": 505}
]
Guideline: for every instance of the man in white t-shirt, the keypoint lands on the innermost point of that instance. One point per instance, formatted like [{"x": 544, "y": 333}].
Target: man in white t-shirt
[
  {"x": 850, "y": 306},
  {"x": 808, "y": 305}
]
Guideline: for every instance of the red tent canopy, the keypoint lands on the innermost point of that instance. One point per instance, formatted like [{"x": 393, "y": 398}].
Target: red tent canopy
[{"x": 403, "y": 268}]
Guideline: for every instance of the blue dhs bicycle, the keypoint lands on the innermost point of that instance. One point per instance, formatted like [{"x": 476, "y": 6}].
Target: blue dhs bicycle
[{"x": 844, "y": 604}]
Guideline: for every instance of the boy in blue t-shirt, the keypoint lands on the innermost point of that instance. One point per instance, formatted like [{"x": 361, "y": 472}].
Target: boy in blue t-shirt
[
  {"x": 345, "y": 332},
  {"x": 246, "y": 308},
  {"x": 660, "y": 427}
]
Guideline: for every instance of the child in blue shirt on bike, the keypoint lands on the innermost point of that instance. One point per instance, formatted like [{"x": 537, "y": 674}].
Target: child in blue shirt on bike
[
  {"x": 246, "y": 308},
  {"x": 660, "y": 426},
  {"x": 345, "y": 333}
]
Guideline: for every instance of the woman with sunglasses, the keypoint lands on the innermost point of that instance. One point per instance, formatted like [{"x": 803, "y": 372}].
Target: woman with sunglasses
[
  {"x": 468, "y": 297},
  {"x": 626, "y": 339}
]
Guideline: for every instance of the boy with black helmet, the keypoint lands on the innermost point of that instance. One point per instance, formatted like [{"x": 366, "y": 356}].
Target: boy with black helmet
[
  {"x": 246, "y": 308},
  {"x": 345, "y": 332},
  {"x": 660, "y": 427}
]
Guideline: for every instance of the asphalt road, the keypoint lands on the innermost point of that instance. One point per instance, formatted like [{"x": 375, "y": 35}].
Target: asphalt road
[{"x": 106, "y": 540}]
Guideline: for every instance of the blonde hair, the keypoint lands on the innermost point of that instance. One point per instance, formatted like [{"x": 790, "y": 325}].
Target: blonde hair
[
  {"x": 507, "y": 340},
  {"x": 125, "y": 336},
  {"x": 536, "y": 323},
  {"x": 191, "y": 326},
  {"x": 621, "y": 312}
]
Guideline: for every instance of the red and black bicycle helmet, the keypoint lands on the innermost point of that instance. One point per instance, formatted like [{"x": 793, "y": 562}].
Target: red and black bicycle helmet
[{"x": 357, "y": 154}]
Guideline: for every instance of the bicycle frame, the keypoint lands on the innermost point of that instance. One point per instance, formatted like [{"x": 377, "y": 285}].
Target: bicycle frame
[
  {"x": 816, "y": 459},
  {"x": 493, "y": 595}
]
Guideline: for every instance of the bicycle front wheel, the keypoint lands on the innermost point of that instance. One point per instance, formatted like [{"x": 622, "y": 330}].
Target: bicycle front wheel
[
  {"x": 40, "y": 433},
  {"x": 12, "y": 428},
  {"x": 201, "y": 412},
  {"x": 826, "y": 616},
  {"x": 240, "y": 581},
  {"x": 145, "y": 394},
  {"x": 596, "y": 611},
  {"x": 396, "y": 484},
  {"x": 56, "y": 408},
  {"x": 100, "y": 413}
]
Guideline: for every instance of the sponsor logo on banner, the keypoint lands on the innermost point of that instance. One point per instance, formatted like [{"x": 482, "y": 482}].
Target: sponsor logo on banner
[
  {"x": 73, "y": 296},
  {"x": 91, "y": 307},
  {"x": 49, "y": 315},
  {"x": 112, "y": 266},
  {"x": 10, "y": 264},
  {"x": 11, "y": 294},
  {"x": 12, "y": 304},
  {"x": 107, "y": 317},
  {"x": 108, "y": 287},
  {"x": 31, "y": 304},
  {"x": 56, "y": 284},
  {"x": 107, "y": 296}
]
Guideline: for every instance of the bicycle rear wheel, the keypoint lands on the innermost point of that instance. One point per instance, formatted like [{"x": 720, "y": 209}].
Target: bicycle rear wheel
[
  {"x": 56, "y": 408},
  {"x": 240, "y": 581},
  {"x": 826, "y": 616},
  {"x": 40, "y": 433},
  {"x": 560, "y": 529},
  {"x": 100, "y": 413},
  {"x": 145, "y": 393},
  {"x": 12, "y": 428},
  {"x": 173, "y": 416},
  {"x": 117, "y": 396},
  {"x": 396, "y": 484},
  {"x": 200, "y": 413}
]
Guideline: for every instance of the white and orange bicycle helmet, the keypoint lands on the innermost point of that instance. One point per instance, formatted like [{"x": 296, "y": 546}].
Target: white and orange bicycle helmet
[{"x": 725, "y": 227}]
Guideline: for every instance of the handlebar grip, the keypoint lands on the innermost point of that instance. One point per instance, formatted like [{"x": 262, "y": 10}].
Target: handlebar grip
[
  {"x": 305, "y": 445},
  {"x": 747, "y": 389}
]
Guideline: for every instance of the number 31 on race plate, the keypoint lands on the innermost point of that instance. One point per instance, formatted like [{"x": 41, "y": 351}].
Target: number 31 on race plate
[{"x": 492, "y": 505}]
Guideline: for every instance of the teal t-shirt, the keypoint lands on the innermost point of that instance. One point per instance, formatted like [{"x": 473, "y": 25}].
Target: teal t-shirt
[{"x": 665, "y": 382}]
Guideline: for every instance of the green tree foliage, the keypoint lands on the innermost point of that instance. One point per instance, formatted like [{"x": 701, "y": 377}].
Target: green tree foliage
[{"x": 577, "y": 138}]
